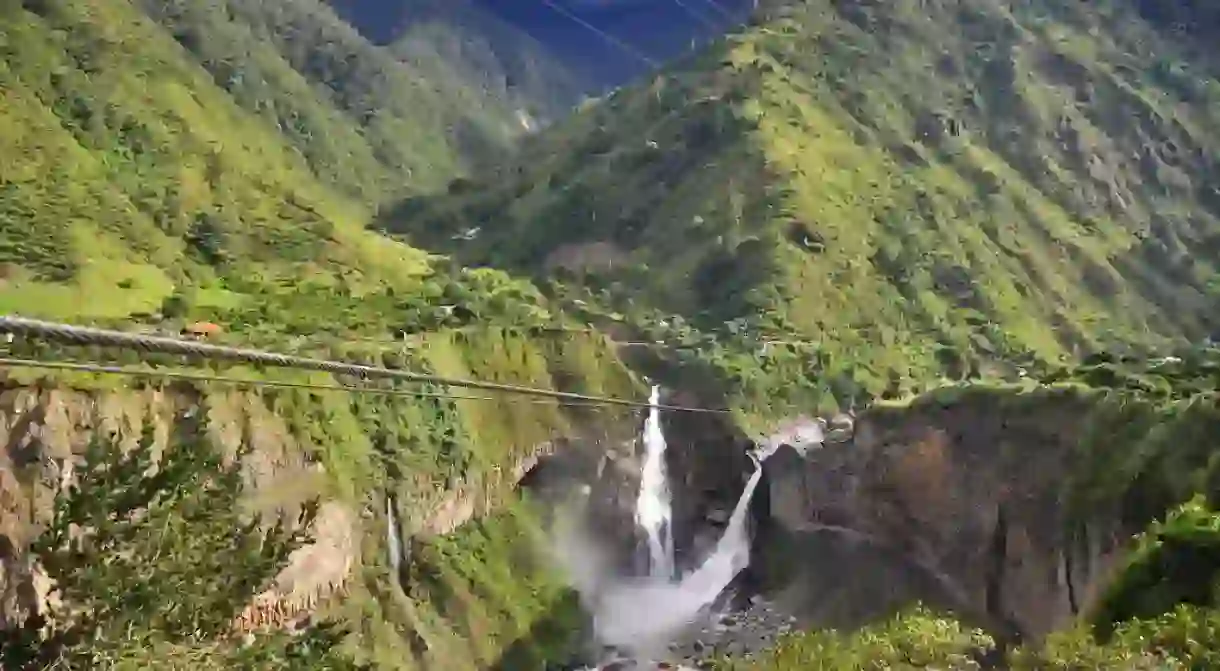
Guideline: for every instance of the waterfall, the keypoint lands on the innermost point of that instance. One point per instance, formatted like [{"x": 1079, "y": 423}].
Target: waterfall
[
  {"x": 653, "y": 511},
  {"x": 643, "y": 615},
  {"x": 391, "y": 535}
]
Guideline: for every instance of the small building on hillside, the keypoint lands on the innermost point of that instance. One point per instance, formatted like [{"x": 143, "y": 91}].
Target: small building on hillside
[{"x": 202, "y": 330}]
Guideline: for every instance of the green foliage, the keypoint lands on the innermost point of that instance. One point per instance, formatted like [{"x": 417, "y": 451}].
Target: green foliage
[
  {"x": 197, "y": 158},
  {"x": 484, "y": 596},
  {"x": 917, "y": 189},
  {"x": 1181, "y": 375},
  {"x": 365, "y": 122},
  {"x": 155, "y": 553},
  {"x": 914, "y": 640},
  {"x": 1176, "y": 563},
  {"x": 1185, "y": 638},
  {"x": 493, "y": 583}
]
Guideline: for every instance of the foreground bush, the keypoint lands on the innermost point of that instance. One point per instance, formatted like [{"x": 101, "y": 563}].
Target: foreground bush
[
  {"x": 151, "y": 563},
  {"x": 1187, "y": 638},
  {"x": 913, "y": 640}
]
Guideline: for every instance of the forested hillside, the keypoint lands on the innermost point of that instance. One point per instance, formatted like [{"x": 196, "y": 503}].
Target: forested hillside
[
  {"x": 364, "y": 121},
  {"x": 204, "y": 160},
  {"x": 919, "y": 187},
  {"x": 844, "y": 200},
  {"x": 164, "y": 162},
  {"x": 456, "y": 40}
]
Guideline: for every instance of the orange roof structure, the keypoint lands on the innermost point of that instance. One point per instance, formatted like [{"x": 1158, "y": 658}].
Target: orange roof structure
[{"x": 202, "y": 328}]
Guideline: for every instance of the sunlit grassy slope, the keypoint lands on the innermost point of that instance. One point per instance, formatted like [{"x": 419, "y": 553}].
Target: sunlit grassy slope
[
  {"x": 164, "y": 161},
  {"x": 213, "y": 160},
  {"x": 896, "y": 180}
]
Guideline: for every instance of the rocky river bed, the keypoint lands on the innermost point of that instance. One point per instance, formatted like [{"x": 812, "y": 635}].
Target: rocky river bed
[{"x": 736, "y": 631}]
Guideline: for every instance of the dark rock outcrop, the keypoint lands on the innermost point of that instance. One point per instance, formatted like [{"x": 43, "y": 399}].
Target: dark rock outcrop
[
  {"x": 960, "y": 505},
  {"x": 708, "y": 466}
]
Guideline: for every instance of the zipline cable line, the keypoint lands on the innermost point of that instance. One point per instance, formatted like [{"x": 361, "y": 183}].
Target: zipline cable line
[
  {"x": 699, "y": 16},
  {"x": 720, "y": 8},
  {"x": 87, "y": 336},
  {"x": 101, "y": 369},
  {"x": 627, "y": 48}
]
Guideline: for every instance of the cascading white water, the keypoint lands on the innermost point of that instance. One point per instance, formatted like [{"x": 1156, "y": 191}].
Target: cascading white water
[
  {"x": 644, "y": 615},
  {"x": 653, "y": 509},
  {"x": 392, "y": 541}
]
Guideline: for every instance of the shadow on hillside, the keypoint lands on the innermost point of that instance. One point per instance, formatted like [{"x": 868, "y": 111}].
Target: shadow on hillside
[{"x": 556, "y": 641}]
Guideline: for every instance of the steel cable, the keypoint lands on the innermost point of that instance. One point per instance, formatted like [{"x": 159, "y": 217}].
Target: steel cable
[{"x": 88, "y": 336}]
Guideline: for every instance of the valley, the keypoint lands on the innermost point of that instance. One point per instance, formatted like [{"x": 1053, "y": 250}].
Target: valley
[{"x": 926, "y": 292}]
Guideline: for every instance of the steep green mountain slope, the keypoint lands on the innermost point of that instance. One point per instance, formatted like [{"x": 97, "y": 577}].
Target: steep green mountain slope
[
  {"x": 137, "y": 179},
  {"x": 470, "y": 44},
  {"x": 909, "y": 184},
  {"x": 366, "y": 121},
  {"x": 149, "y": 176},
  {"x": 500, "y": 61},
  {"x": 372, "y": 125}
]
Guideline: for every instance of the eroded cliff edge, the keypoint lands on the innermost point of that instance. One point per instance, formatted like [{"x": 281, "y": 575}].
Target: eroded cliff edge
[
  {"x": 1010, "y": 506},
  {"x": 389, "y": 470}
]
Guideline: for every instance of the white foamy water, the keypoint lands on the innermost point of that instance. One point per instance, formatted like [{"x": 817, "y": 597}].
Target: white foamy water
[
  {"x": 644, "y": 615},
  {"x": 392, "y": 541},
  {"x": 653, "y": 508}
]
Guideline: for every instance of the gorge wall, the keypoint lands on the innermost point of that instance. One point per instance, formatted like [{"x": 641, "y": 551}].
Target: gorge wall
[
  {"x": 962, "y": 503},
  {"x": 1010, "y": 506},
  {"x": 1007, "y": 505},
  {"x": 444, "y": 465}
]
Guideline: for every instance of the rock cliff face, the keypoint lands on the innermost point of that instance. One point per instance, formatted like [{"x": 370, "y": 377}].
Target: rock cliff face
[
  {"x": 43, "y": 430},
  {"x": 1010, "y": 506},
  {"x": 963, "y": 504},
  {"x": 708, "y": 467},
  {"x": 441, "y": 464}
]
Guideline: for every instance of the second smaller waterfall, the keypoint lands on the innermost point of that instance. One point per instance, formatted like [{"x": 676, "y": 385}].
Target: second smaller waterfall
[
  {"x": 653, "y": 510},
  {"x": 643, "y": 615},
  {"x": 392, "y": 541}
]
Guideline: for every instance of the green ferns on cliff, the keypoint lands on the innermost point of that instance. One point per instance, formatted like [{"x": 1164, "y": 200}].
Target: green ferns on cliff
[
  {"x": 1177, "y": 562},
  {"x": 493, "y": 585},
  {"x": 462, "y": 601},
  {"x": 171, "y": 557},
  {"x": 437, "y": 460}
]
